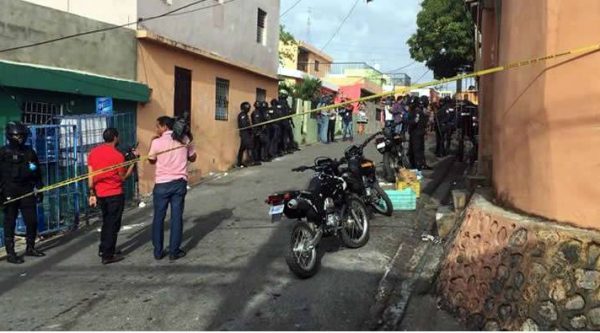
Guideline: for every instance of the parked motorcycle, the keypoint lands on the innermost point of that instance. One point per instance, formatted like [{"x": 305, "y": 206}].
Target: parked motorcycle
[
  {"x": 390, "y": 145},
  {"x": 361, "y": 177},
  {"x": 325, "y": 208}
]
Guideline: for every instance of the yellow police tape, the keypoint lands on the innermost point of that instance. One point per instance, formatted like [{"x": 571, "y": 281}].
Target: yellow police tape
[{"x": 404, "y": 90}]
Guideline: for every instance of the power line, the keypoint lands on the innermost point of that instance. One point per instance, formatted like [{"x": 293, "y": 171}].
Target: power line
[
  {"x": 403, "y": 67},
  {"x": 140, "y": 20},
  {"x": 292, "y": 7},
  {"x": 341, "y": 25},
  {"x": 420, "y": 77}
]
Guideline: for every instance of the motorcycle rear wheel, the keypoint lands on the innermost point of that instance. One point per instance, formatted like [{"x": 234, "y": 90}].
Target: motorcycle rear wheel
[
  {"x": 390, "y": 164},
  {"x": 303, "y": 262},
  {"x": 355, "y": 224}
]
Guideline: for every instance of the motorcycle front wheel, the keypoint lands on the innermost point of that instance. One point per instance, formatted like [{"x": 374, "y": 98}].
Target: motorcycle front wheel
[
  {"x": 302, "y": 260},
  {"x": 382, "y": 203},
  {"x": 355, "y": 224}
]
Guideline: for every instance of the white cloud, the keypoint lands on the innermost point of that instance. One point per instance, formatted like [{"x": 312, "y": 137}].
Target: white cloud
[{"x": 375, "y": 33}]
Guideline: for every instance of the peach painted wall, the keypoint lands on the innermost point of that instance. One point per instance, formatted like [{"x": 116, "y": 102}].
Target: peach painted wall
[
  {"x": 546, "y": 117},
  {"x": 216, "y": 142}
]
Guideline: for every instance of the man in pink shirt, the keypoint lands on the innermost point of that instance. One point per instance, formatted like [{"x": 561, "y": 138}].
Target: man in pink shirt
[{"x": 170, "y": 186}]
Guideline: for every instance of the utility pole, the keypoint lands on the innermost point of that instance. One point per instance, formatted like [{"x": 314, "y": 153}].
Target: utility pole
[{"x": 308, "y": 26}]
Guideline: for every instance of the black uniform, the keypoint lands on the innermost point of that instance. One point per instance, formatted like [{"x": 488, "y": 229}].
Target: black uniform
[
  {"x": 417, "y": 128},
  {"x": 274, "y": 131},
  {"x": 287, "y": 125},
  {"x": 20, "y": 173},
  {"x": 246, "y": 137},
  {"x": 441, "y": 123},
  {"x": 261, "y": 135}
]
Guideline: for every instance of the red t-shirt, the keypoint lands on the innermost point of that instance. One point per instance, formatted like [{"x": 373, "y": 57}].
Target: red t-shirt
[{"x": 108, "y": 183}]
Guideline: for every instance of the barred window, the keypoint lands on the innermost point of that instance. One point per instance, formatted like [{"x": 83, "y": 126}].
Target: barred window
[
  {"x": 37, "y": 113},
  {"x": 261, "y": 29},
  {"x": 261, "y": 95},
  {"x": 222, "y": 100}
]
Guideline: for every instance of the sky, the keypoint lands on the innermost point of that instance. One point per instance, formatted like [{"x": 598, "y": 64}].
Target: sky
[{"x": 375, "y": 33}]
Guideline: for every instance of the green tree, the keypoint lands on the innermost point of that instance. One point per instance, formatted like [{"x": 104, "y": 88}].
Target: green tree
[
  {"x": 445, "y": 37},
  {"x": 287, "y": 39},
  {"x": 309, "y": 89}
]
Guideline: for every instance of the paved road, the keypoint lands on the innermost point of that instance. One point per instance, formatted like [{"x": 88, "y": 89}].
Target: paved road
[{"x": 234, "y": 277}]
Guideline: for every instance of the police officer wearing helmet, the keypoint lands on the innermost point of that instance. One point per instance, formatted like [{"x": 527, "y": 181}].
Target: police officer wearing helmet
[
  {"x": 287, "y": 124},
  {"x": 246, "y": 136},
  {"x": 417, "y": 128},
  {"x": 275, "y": 129},
  {"x": 20, "y": 174}
]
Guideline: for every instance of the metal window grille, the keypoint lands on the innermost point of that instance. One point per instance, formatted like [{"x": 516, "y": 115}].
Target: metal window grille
[
  {"x": 316, "y": 66},
  {"x": 38, "y": 113},
  {"x": 261, "y": 31},
  {"x": 261, "y": 95},
  {"x": 378, "y": 114},
  {"x": 222, "y": 100}
]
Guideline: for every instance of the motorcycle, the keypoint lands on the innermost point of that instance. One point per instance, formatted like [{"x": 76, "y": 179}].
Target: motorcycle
[
  {"x": 390, "y": 145},
  {"x": 361, "y": 177},
  {"x": 326, "y": 208}
]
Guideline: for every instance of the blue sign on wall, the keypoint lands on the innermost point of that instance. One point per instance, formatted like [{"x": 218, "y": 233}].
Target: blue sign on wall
[{"x": 104, "y": 105}]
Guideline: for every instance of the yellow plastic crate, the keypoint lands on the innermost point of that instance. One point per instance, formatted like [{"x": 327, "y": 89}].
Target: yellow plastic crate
[{"x": 415, "y": 186}]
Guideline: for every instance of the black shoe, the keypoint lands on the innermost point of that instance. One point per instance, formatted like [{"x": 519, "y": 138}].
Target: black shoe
[
  {"x": 179, "y": 254},
  {"x": 14, "y": 259},
  {"x": 161, "y": 256},
  {"x": 32, "y": 252},
  {"x": 111, "y": 259},
  {"x": 256, "y": 163},
  {"x": 118, "y": 252}
]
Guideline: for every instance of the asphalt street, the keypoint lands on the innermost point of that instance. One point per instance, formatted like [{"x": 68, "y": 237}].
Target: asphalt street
[{"x": 233, "y": 278}]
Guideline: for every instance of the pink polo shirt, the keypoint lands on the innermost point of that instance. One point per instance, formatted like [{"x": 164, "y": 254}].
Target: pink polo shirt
[{"x": 172, "y": 165}]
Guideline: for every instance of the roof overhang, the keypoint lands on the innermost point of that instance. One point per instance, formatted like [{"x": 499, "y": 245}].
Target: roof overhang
[
  {"x": 153, "y": 37},
  {"x": 38, "y": 77},
  {"x": 300, "y": 75}
]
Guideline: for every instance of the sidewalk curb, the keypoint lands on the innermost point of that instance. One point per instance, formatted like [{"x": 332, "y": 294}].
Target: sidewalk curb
[{"x": 386, "y": 316}]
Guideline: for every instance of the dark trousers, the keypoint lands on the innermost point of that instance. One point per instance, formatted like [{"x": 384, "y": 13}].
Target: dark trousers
[
  {"x": 171, "y": 193},
  {"x": 112, "y": 213},
  {"x": 246, "y": 145},
  {"x": 289, "y": 134},
  {"x": 264, "y": 146},
  {"x": 27, "y": 206},
  {"x": 417, "y": 143},
  {"x": 440, "y": 144},
  {"x": 274, "y": 138},
  {"x": 331, "y": 131}
]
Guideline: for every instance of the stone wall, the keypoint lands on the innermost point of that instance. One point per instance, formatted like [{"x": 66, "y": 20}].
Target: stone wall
[{"x": 507, "y": 271}]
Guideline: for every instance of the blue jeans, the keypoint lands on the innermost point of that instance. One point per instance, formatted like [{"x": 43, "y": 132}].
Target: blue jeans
[
  {"x": 172, "y": 193},
  {"x": 323, "y": 127},
  {"x": 347, "y": 129}
]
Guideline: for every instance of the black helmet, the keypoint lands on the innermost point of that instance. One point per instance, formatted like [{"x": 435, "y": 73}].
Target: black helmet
[
  {"x": 245, "y": 107},
  {"x": 283, "y": 94},
  {"x": 16, "y": 133},
  {"x": 274, "y": 102},
  {"x": 256, "y": 104},
  {"x": 264, "y": 105},
  {"x": 424, "y": 100},
  {"x": 414, "y": 101}
]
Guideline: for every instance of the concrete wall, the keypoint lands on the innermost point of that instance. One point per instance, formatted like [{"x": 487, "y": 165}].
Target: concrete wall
[
  {"x": 228, "y": 30},
  {"x": 545, "y": 118},
  {"x": 117, "y": 12},
  {"x": 111, "y": 53},
  {"x": 216, "y": 142}
]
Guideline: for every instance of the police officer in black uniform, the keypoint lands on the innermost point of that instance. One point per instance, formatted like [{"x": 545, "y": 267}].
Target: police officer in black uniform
[
  {"x": 20, "y": 173},
  {"x": 261, "y": 132},
  {"x": 246, "y": 136},
  {"x": 441, "y": 123},
  {"x": 287, "y": 124},
  {"x": 417, "y": 128},
  {"x": 274, "y": 129}
]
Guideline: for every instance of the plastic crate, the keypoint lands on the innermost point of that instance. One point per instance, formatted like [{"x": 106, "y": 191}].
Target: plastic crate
[
  {"x": 416, "y": 186},
  {"x": 403, "y": 200}
]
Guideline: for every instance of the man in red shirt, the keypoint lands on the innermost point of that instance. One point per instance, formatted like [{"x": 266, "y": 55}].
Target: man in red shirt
[{"x": 106, "y": 189}]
